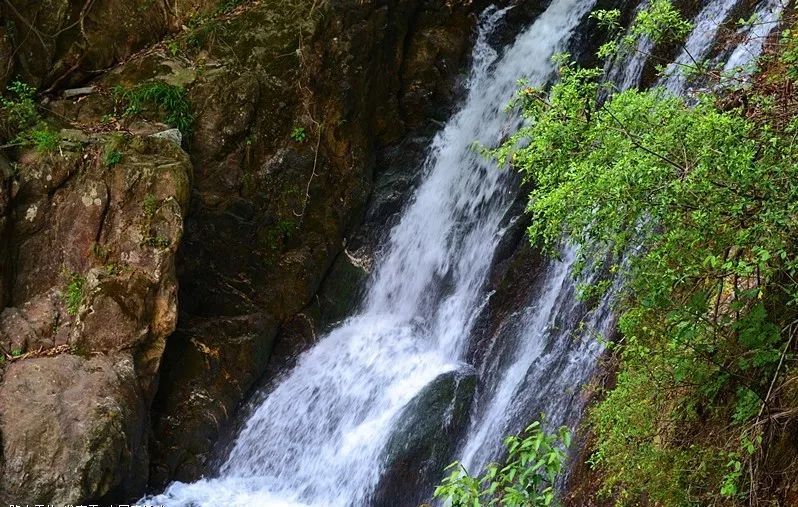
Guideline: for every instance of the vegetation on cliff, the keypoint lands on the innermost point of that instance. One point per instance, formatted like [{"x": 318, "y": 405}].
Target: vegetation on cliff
[{"x": 696, "y": 203}]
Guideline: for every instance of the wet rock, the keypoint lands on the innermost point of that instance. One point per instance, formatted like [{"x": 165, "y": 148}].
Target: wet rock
[
  {"x": 337, "y": 298},
  {"x": 211, "y": 367},
  {"x": 424, "y": 439}
]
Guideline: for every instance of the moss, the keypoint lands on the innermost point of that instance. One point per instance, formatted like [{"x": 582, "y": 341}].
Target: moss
[{"x": 150, "y": 205}]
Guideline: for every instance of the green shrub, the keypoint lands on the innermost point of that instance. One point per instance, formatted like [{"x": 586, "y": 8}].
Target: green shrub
[
  {"x": 112, "y": 157},
  {"x": 41, "y": 138},
  {"x": 702, "y": 199},
  {"x": 534, "y": 461},
  {"x": 299, "y": 135},
  {"x": 19, "y": 105}
]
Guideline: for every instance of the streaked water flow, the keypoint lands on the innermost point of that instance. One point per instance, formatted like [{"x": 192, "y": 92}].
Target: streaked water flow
[
  {"x": 317, "y": 438},
  {"x": 764, "y": 21},
  {"x": 699, "y": 44}
]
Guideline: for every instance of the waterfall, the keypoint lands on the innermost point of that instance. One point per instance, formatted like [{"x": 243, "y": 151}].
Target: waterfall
[
  {"x": 542, "y": 355},
  {"x": 627, "y": 70},
  {"x": 318, "y": 439},
  {"x": 514, "y": 380}
]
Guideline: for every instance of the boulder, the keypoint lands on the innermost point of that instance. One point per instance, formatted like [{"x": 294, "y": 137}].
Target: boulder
[
  {"x": 73, "y": 430},
  {"x": 423, "y": 441}
]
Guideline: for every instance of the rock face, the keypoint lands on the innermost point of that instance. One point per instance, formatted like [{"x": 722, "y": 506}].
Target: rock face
[
  {"x": 73, "y": 428},
  {"x": 429, "y": 428},
  {"x": 91, "y": 300}
]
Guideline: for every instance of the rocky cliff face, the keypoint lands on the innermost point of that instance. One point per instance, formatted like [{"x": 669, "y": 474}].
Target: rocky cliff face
[
  {"x": 148, "y": 283},
  {"x": 91, "y": 300}
]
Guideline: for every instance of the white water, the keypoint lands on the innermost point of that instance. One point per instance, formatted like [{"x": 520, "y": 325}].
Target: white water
[
  {"x": 535, "y": 323},
  {"x": 699, "y": 44},
  {"x": 766, "y": 18},
  {"x": 627, "y": 70},
  {"x": 316, "y": 439}
]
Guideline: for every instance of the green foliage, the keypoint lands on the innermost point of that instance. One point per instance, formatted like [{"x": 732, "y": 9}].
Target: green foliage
[
  {"x": 41, "y": 138},
  {"x": 526, "y": 479},
  {"x": 25, "y": 126},
  {"x": 704, "y": 198},
  {"x": 299, "y": 135},
  {"x": 661, "y": 21},
  {"x": 73, "y": 293},
  {"x": 275, "y": 237},
  {"x": 156, "y": 241},
  {"x": 170, "y": 100},
  {"x": 19, "y": 105},
  {"x": 112, "y": 157},
  {"x": 789, "y": 53},
  {"x": 174, "y": 47}
]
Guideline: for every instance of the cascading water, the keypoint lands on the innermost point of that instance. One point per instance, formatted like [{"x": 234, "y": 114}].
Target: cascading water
[
  {"x": 699, "y": 43},
  {"x": 318, "y": 438},
  {"x": 764, "y": 21},
  {"x": 626, "y": 71},
  {"x": 542, "y": 355}
]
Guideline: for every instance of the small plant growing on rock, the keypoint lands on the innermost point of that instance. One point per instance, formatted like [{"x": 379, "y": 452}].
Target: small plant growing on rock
[
  {"x": 171, "y": 100},
  {"x": 173, "y": 47},
  {"x": 73, "y": 294},
  {"x": 18, "y": 106},
  {"x": 17, "y": 352},
  {"x": 99, "y": 251},
  {"x": 112, "y": 158},
  {"x": 42, "y": 139},
  {"x": 21, "y": 120},
  {"x": 149, "y": 205},
  {"x": 299, "y": 134},
  {"x": 156, "y": 241}
]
